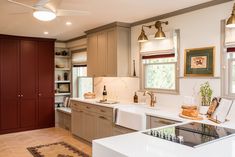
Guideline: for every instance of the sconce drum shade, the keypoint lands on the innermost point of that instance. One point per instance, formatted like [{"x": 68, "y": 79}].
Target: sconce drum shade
[
  {"x": 231, "y": 21},
  {"x": 142, "y": 37},
  {"x": 160, "y": 34}
]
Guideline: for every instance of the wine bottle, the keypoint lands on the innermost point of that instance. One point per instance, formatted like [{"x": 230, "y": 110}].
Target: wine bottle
[
  {"x": 104, "y": 94},
  {"x": 135, "y": 98}
]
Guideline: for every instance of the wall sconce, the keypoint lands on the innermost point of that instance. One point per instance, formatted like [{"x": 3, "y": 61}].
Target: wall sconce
[
  {"x": 231, "y": 20},
  {"x": 158, "y": 35}
]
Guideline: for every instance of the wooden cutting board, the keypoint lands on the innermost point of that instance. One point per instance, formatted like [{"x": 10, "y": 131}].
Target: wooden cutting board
[{"x": 192, "y": 118}]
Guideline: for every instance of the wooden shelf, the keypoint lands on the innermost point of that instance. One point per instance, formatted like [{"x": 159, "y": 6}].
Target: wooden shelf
[
  {"x": 62, "y": 57},
  {"x": 62, "y": 69},
  {"x": 62, "y": 94},
  {"x": 62, "y": 81}
]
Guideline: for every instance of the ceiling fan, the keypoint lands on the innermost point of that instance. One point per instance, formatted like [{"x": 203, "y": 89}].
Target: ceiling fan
[{"x": 46, "y": 10}]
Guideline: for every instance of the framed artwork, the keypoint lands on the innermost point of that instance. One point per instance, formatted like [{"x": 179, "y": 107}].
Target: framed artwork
[
  {"x": 63, "y": 87},
  {"x": 199, "y": 62}
]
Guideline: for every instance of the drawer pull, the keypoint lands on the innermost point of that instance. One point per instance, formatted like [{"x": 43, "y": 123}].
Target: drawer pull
[
  {"x": 102, "y": 117},
  {"x": 80, "y": 111},
  {"x": 164, "y": 122},
  {"x": 102, "y": 110},
  {"x": 88, "y": 107}
]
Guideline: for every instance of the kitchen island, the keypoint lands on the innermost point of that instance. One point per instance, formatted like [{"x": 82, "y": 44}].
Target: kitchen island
[
  {"x": 138, "y": 144},
  {"x": 141, "y": 145}
]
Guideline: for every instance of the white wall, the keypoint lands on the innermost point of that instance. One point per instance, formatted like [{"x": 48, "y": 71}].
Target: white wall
[{"x": 199, "y": 28}]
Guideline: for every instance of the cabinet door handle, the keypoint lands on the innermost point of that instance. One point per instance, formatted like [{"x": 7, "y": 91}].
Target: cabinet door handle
[
  {"x": 102, "y": 117},
  {"x": 102, "y": 110},
  {"x": 163, "y": 122},
  {"x": 40, "y": 94},
  {"x": 21, "y": 95}
]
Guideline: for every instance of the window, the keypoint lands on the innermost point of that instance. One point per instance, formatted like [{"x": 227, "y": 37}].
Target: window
[
  {"x": 231, "y": 70},
  {"x": 81, "y": 83},
  {"x": 228, "y": 61},
  {"x": 159, "y": 67}
]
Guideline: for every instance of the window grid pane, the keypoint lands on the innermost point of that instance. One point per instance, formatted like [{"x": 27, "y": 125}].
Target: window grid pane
[{"x": 160, "y": 76}]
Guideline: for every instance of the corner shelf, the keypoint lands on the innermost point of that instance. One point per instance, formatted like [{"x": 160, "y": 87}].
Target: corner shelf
[
  {"x": 62, "y": 81},
  {"x": 62, "y": 57},
  {"x": 62, "y": 94},
  {"x": 62, "y": 69}
]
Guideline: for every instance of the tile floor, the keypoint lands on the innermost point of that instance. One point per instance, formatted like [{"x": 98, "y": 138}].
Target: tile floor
[{"x": 15, "y": 144}]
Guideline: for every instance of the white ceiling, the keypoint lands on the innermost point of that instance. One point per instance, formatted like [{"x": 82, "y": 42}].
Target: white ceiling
[{"x": 101, "y": 12}]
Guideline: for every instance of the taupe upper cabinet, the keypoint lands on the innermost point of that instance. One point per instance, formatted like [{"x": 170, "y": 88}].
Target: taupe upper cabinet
[{"x": 109, "y": 50}]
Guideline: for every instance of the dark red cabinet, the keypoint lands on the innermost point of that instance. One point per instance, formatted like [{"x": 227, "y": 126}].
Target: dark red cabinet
[
  {"x": 46, "y": 85},
  {"x": 26, "y": 83},
  {"x": 9, "y": 84}
]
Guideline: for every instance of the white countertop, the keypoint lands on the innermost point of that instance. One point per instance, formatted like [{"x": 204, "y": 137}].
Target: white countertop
[
  {"x": 138, "y": 144},
  {"x": 158, "y": 111}
]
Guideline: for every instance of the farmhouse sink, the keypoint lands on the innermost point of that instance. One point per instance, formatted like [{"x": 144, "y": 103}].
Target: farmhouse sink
[{"x": 132, "y": 117}]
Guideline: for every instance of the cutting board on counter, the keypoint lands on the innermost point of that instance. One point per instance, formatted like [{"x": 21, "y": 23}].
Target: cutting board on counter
[{"x": 192, "y": 118}]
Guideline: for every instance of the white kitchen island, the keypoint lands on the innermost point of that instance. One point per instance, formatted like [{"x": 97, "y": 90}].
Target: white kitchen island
[
  {"x": 138, "y": 144},
  {"x": 141, "y": 145}
]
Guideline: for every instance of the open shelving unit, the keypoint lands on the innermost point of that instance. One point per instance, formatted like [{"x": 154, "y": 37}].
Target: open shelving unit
[{"x": 62, "y": 66}]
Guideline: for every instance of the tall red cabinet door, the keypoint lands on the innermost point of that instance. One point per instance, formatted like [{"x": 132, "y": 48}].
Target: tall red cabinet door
[
  {"x": 28, "y": 83},
  {"x": 46, "y": 84},
  {"x": 9, "y": 84}
]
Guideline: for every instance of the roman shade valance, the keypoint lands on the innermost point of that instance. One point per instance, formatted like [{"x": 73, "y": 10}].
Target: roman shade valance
[
  {"x": 229, "y": 37},
  {"x": 79, "y": 56},
  {"x": 230, "y": 49}
]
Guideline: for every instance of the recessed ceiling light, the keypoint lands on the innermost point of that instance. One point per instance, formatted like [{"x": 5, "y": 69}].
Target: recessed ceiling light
[
  {"x": 68, "y": 23},
  {"x": 46, "y": 33}
]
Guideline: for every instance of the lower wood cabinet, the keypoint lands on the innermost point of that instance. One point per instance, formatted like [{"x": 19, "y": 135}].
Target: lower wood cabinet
[
  {"x": 118, "y": 130},
  {"x": 104, "y": 126},
  {"x": 89, "y": 126},
  {"x": 77, "y": 122},
  {"x": 91, "y": 122}
]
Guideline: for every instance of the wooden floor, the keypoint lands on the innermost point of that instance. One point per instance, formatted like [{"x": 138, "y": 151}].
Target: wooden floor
[{"x": 15, "y": 144}]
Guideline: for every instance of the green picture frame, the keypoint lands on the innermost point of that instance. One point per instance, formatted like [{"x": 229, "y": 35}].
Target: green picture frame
[{"x": 199, "y": 62}]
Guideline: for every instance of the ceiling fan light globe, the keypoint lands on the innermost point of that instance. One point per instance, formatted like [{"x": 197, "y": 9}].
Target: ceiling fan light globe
[{"x": 43, "y": 15}]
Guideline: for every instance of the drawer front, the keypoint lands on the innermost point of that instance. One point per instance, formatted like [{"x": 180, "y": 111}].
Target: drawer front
[
  {"x": 158, "y": 122},
  {"x": 118, "y": 130},
  {"x": 104, "y": 111},
  {"x": 88, "y": 107},
  {"x": 75, "y": 106},
  {"x": 103, "y": 117}
]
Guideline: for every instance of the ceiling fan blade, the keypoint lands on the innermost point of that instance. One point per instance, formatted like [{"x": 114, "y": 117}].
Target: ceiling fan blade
[
  {"x": 22, "y": 4},
  {"x": 52, "y": 5},
  {"x": 42, "y": 2},
  {"x": 63, "y": 12}
]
